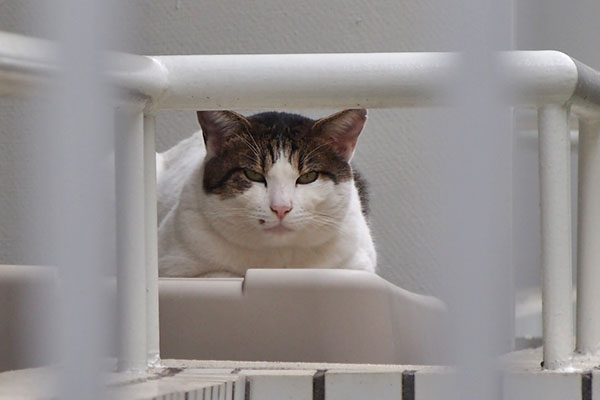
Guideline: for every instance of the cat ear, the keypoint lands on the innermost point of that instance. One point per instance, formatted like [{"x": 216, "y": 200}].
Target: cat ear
[
  {"x": 342, "y": 129},
  {"x": 218, "y": 126}
]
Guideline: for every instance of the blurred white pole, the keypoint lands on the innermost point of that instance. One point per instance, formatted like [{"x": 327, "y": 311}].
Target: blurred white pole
[
  {"x": 588, "y": 242},
  {"x": 151, "y": 226},
  {"x": 131, "y": 239},
  {"x": 475, "y": 184},
  {"x": 75, "y": 145},
  {"x": 555, "y": 198}
]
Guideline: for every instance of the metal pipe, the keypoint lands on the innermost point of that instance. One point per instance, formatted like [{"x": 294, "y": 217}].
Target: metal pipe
[
  {"x": 151, "y": 223},
  {"x": 26, "y": 64},
  {"x": 586, "y": 99},
  {"x": 131, "y": 269},
  {"x": 374, "y": 80},
  {"x": 588, "y": 243},
  {"x": 30, "y": 64},
  {"x": 555, "y": 197}
]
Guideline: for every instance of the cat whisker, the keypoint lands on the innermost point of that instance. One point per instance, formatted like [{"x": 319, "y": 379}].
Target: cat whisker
[
  {"x": 256, "y": 146},
  {"x": 252, "y": 159}
]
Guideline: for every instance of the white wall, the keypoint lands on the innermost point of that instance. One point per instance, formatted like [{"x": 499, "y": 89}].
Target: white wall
[
  {"x": 402, "y": 152},
  {"x": 399, "y": 152}
]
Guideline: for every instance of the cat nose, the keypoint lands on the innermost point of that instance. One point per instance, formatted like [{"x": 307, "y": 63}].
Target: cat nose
[{"x": 281, "y": 211}]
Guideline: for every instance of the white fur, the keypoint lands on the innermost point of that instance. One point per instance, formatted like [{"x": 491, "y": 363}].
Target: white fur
[{"x": 203, "y": 235}]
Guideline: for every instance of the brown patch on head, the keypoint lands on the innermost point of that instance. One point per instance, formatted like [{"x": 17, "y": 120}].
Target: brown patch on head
[
  {"x": 229, "y": 149},
  {"x": 235, "y": 143}
]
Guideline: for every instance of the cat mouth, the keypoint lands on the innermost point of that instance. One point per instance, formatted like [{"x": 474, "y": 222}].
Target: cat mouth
[{"x": 279, "y": 229}]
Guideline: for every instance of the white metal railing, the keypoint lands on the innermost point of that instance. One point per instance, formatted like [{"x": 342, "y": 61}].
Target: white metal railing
[{"x": 550, "y": 81}]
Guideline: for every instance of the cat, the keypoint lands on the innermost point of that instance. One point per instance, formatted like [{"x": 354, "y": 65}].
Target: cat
[{"x": 272, "y": 190}]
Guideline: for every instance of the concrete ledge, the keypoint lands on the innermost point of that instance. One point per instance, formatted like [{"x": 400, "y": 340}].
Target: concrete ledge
[{"x": 522, "y": 378}]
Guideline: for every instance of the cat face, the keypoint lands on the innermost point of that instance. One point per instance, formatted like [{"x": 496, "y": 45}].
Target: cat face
[{"x": 277, "y": 179}]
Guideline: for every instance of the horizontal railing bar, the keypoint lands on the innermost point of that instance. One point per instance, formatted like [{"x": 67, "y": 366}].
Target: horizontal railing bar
[
  {"x": 373, "y": 80},
  {"x": 28, "y": 64},
  {"x": 25, "y": 64},
  {"x": 586, "y": 99}
]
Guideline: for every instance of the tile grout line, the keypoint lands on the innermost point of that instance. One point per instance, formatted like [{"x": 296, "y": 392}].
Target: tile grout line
[
  {"x": 247, "y": 389},
  {"x": 586, "y": 386},
  {"x": 319, "y": 384},
  {"x": 408, "y": 384}
]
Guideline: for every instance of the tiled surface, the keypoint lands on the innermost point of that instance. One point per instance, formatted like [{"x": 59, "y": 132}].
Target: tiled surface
[
  {"x": 234, "y": 383},
  {"x": 363, "y": 385},
  {"x": 434, "y": 383},
  {"x": 279, "y": 384},
  {"x": 206, "y": 380},
  {"x": 595, "y": 385},
  {"x": 542, "y": 385},
  {"x": 169, "y": 388},
  {"x": 26, "y": 384}
]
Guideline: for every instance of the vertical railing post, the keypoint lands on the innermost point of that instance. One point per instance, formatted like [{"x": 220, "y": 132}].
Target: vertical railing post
[
  {"x": 152, "y": 336},
  {"x": 555, "y": 197},
  {"x": 131, "y": 269},
  {"x": 588, "y": 242}
]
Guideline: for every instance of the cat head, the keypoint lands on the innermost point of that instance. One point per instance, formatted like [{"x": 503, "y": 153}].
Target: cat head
[{"x": 278, "y": 179}]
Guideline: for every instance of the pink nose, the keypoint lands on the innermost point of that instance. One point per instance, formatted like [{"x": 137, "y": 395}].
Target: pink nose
[{"x": 281, "y": 211}]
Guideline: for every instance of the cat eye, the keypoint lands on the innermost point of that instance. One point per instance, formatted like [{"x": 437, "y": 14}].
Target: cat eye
[
  {"x": 308, "y": 177},
  {"x": 254, "y": 176}
]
